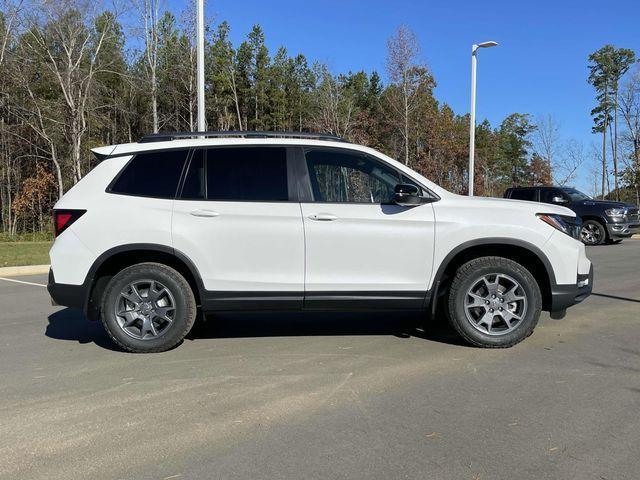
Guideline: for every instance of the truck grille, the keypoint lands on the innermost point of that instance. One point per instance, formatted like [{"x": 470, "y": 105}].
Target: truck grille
[{"x": 632, "y": 216}]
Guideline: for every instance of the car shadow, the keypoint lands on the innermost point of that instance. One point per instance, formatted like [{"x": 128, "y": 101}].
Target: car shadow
[
  {"x": 70, "y": 324},
  {"x": 298, "y": 324}
]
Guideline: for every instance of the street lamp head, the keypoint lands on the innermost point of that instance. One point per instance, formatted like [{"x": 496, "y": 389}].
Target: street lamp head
[{"x": 487, "y": 44}]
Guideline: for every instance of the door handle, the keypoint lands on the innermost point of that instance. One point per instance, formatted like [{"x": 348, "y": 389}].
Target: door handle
[
  {"x": 323, "y": 217},
  {"x": 204, "y": 213}
]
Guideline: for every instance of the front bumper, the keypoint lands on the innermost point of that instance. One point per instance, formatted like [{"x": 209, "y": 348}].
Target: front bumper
[
  {"x": 622, "y": 230},
  {"x": 73, "y": 296},
  {"x": 564, "y": 296}
]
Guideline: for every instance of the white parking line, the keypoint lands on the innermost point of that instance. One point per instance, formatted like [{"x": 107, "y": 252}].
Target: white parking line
[{"x": 22, "y": 281}]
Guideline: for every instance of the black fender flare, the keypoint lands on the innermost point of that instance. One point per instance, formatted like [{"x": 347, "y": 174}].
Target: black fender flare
[
  {"x": 89, "y": 281},
  {"x": 432, "y": 298}
]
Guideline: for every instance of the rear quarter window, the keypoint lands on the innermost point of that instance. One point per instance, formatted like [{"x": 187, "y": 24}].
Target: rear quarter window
[{"x": 152, "y": 174}]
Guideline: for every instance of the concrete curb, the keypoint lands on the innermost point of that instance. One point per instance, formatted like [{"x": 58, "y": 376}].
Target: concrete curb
[{"x": 23, "y": 270}]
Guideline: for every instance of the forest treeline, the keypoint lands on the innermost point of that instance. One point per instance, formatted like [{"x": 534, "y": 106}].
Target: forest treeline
[{"x": 70, "y": 81}]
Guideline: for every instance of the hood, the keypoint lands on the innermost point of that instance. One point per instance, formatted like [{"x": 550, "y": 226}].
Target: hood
[
  {"x": 508, "y": 204},
  {"x": 607, "y": 204}
]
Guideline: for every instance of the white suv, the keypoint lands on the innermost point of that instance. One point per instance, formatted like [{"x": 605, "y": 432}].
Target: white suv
[{"x": 222, "y": 221}]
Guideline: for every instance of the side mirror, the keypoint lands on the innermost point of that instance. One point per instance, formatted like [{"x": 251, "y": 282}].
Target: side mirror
[
  {"x": 559, "y": 200},
  {"x": 407, "y": 195}
]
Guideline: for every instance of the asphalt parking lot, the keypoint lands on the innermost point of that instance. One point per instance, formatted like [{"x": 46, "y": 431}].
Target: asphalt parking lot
[{"x": 325, "y": 397}]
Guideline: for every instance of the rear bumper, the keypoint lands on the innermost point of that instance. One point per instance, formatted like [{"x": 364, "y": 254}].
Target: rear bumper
[
  {"x": 564, "y": 296},
  {"x": 73, "y": 296}
]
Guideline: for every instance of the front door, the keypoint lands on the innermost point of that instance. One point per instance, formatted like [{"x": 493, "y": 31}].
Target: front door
[
  {"x": 234, "y": 219},
  {"x": 362, "y": 250}
]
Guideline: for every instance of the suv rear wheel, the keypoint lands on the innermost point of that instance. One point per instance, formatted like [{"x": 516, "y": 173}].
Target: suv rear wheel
[
  {"x": 148, "y": 307},
  {"x": 494, "y": 302}
]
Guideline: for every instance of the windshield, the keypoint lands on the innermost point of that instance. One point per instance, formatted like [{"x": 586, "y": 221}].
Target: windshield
[{"x": 576, "y": 195}]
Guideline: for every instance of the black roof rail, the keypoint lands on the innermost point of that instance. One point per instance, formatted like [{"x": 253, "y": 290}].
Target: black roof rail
[{"x": 165, "y": 137}]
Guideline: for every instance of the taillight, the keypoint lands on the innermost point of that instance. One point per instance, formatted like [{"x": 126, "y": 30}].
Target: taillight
[{"x": 63, "y": 219}]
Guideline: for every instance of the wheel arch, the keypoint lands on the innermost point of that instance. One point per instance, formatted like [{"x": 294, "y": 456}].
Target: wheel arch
[
  {"x": 525, "y": 253},
  {"x": 117, "y": 258}
]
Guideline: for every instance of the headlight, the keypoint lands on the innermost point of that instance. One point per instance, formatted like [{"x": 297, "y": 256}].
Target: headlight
[
  {"x": 615, "y": 212},
  {"x": 568, "y": 225}
]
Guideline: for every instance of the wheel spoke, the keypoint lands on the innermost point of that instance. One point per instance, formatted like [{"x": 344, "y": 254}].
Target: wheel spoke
[
  {"x": 492, "y": 287},
  {"x": 163, "y": 311},
  {"x": 134, "y": 296},
  {"x": 511, "y": 296},
  {"x": 487, "y": 319},
  {"x": 478, "y": 301},
  {"x": 156, "y": 294},
  {"x": 129, "y": 316}
]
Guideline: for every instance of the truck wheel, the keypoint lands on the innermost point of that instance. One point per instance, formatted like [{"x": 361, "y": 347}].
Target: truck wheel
[
  {"x": 592, "y": 233},
  {"x": 148, "y": 307},
  {"x": 494, "y": 302}
]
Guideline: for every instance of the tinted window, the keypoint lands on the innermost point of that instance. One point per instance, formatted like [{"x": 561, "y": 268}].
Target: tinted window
[
  {"x": 576, "y": 195},
  {"x": 338, "y": 176},
  {"x": 194, "y": 186},
  {"x": 250, "y": 173},
  {"x": 547, "y": 194},
  {"x": 153, "y": 174},
  {"x": 523, "y": 194}
]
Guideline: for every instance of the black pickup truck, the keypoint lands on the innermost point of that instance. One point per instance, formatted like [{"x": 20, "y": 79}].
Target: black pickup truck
[{"x": 602, "y": 220}]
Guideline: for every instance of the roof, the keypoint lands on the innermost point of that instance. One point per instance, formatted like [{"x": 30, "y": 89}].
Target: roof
[{"x": 161, "y": 137}]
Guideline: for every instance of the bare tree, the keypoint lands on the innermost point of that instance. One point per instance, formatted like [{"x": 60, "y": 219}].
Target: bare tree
[
  {"x": 335, "y": 112},
  {"x": 62, "y": 37},
  {"x": 12, "y": 10},
  {"x": 630, "y": 112},
  {"x": 150, "y": 11},
  {"x": 546, "y": 140},
  {"x": 408, "y": 78},
  {"x": 567, "y": 164}
]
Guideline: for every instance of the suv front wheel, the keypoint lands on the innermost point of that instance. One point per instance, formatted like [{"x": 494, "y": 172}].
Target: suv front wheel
[
  {"x": 494, "y": 302},
  {"x": 148, "y": 307}
]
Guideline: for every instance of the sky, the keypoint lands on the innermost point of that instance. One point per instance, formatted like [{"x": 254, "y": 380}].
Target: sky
[{"x": 539, "y": 67}]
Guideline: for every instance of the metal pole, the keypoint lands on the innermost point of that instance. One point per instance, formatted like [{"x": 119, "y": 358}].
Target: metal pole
[
  {"x": 200, "y": 61},
  {"x": 472, "y": 119}
]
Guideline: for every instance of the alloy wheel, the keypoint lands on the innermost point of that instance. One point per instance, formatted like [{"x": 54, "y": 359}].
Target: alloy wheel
[
  {"x": 495, "y": 304},
  {"x": 145, "y": 309},
  {"x": 590, "y": 234}
]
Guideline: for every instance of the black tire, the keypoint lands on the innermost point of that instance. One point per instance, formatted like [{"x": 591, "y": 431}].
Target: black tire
[
  {"x": 593, "y": 233},
  {"x": 183, "y": 312},
  {"x": 469, "y": 275}
]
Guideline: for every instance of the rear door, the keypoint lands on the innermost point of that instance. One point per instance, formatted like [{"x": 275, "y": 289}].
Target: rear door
[
  {"x": 362, "y": 250},
  {"x": 239, "y": 222}
]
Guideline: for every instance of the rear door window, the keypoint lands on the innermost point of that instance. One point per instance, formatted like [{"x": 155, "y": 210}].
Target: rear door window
[
  {"x": 151, "y": 174},
  {"x": 194, "y": 187},
  {"x": 247, "y": 174}
]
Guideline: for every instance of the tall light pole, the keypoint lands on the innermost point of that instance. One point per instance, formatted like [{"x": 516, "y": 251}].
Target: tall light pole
[
  {"x": 472, "y": 120},
  {"x": 200, "y": 62}
]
